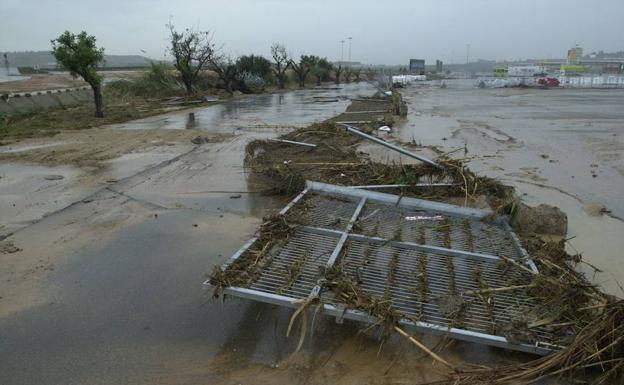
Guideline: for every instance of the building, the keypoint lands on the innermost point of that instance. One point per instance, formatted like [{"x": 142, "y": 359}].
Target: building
[
  {"x": 575, "y": 54},
  {"x": 417, "y": 66},
  {"x": 439, "y": 68}
]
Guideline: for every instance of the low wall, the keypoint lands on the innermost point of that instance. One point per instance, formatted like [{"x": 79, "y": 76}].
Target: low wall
[{"x": 24, "y": 102}]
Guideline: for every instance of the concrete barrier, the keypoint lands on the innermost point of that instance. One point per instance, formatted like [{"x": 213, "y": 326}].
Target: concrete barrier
[
  {"x": 23, "y": 102},
  {"x": 5, "y": 107}
]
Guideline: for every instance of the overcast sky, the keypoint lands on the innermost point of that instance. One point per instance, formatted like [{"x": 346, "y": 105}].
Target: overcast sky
[{"x": 384, "y": 32}]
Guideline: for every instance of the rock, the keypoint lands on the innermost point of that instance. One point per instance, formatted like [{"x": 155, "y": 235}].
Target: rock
[
  {"x": 543, "y": 219},
  {"x": 236, "y": 196},
  {"x": 53, "y": 177},
  {"x": 7, "y": 247},
  {"x": 200, "y": 140}
]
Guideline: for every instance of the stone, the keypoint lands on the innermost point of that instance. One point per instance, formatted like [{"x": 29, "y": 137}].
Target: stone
[{"x": 543, "y": 219}]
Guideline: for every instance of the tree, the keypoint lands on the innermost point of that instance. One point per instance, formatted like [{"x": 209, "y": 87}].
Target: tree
[
  {"x": 357, "y": 73},
  {"x": 321, "y": 70},
  {"x": 79, "y": 55},
  {"x": 348, "y": 73},
  {"x": 280, "y": 58},
  {"x": 303, "y": 68},
  {"x": 191, "y": 51},
  {"x": 228, "y": 71},
  {"x": 255, "y": 72},
  {"x": 254, "y": 65},
  {"x": 338, "y": 72}
]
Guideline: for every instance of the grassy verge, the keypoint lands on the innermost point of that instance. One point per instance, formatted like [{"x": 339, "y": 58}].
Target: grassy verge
[{"x": 48, "y": 122}]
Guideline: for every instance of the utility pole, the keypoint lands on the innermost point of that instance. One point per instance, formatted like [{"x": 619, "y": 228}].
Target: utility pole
[
  {"x": 467, "y": 53},
  {"x": 350, "y": 38}
]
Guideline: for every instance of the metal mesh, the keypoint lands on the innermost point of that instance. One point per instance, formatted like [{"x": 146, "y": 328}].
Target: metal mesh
[{"x": 418, "y": 259}]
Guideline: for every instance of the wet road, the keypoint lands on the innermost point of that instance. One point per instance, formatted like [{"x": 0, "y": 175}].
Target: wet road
[{"x": 262, "y": 112}]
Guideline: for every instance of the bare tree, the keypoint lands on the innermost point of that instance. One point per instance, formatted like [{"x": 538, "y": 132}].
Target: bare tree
[
  {"x": 338, "y": 72},
  {"x": 348, "y": 74},
  {"x": 306, "y": 62},
  {"x": 191, "y": 50},
  {"x": 280, "y": 57},
  {"x": 321, "y": 70},
  {"x": 228, "y": 71},
  {"x": 357, "y": 73}
]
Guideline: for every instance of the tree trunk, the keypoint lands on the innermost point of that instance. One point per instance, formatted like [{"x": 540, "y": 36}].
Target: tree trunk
[
  {"x": 97, "y": 98},
  {"x": 318, "y": 81},
  {"x": 189, "y": 88}
]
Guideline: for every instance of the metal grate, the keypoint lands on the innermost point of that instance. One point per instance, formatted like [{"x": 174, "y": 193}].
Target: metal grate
[{"x": 388, "y": 244}]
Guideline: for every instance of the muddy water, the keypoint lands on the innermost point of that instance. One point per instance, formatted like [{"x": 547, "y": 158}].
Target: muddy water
[
  {"x": 561, "y": 147},
  {"x": 279, "y": 110}
]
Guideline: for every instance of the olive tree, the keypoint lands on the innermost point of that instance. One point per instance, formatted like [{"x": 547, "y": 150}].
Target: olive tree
[
  {"x": 338, "y": 71},
  {"x": 281, "y": 61},
  {"x": 255, "y": 72},
  {"x": 228, "y": 71},
  {"x": 79, "y": 55},
  {"x": 348, "y": 74},
  {"x": 192, "y": 50},
  {"x": 321, "y": 70},
  {"x": 303, "y": 68},
  {"x": 255, "y": 65}
]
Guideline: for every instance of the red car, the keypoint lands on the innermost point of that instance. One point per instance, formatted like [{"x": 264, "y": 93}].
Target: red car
[{"x": 548, "y": 82}]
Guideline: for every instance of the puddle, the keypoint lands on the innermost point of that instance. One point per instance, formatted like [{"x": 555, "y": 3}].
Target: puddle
[
  {"x": 10, "y": 149},
  {"x": 256, "y": 112}
]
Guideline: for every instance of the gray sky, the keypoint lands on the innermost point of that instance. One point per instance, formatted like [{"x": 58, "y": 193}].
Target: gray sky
[{"x": 384, "y": 32}]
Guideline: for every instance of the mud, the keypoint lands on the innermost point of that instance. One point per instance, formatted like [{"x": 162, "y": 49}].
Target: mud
[
  {"x": 106, "y": 289},
  {"x": 560, "y": 147}
]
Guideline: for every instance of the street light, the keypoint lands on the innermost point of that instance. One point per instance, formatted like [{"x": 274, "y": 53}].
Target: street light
[
  {"x": 350, "y": 38},
  {"x": 342, "y": 50}
]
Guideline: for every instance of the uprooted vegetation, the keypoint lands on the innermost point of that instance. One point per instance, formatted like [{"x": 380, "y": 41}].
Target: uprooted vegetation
[
  {"x": 283, "y": 168},
  {"x": 587, "y": 324}
]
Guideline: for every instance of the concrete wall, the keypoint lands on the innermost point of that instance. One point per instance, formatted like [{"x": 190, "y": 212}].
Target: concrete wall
[{"x": 23, "y": 102}]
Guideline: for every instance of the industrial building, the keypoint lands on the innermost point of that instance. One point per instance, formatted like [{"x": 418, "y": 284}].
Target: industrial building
[{"x": 417, "y": 66}]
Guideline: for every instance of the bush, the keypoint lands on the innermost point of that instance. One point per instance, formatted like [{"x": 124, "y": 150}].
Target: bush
[{"x": 157, "y": 81}]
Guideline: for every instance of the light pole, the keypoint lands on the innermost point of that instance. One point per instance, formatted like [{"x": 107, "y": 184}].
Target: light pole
[
  {"x": 350, "y": 38},
  {"x": 341, "y": 50},
  {"x": 467, "y": 53}
]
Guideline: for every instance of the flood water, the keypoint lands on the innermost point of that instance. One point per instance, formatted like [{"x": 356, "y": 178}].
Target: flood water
[
  {"x": 109, "y": 290},
  {"x": 563, "y": 147},
  {"x": 261, "y": 112}
]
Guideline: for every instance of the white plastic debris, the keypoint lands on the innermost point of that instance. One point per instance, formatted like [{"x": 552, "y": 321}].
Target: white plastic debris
[
  {"x": 287, "y": 161},
  {"x": 385, "y": 128},
  {"x": 424, "y": 218}
]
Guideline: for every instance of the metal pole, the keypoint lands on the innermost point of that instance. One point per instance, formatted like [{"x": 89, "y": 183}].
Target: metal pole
[
  {"x": 350, "y": 38},
  {"x": 403, "y": 151}
]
